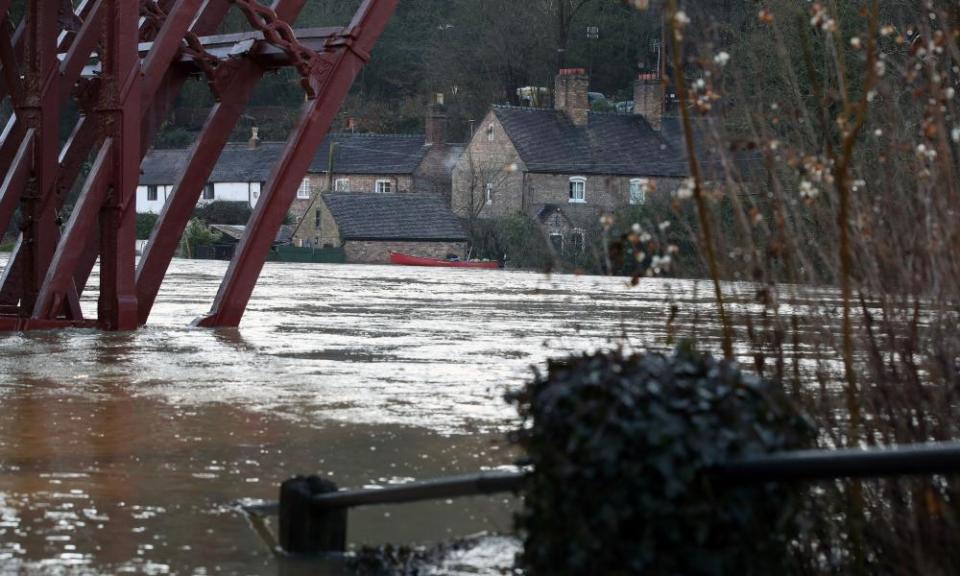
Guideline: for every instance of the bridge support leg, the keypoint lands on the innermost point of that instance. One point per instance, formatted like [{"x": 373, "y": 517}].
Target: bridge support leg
[
  {"x": 179, "y": 207},
  {"x": 120, "y": 110},
  {"x": 345, "y": 57},
  {"x": 40, "y": 113}
]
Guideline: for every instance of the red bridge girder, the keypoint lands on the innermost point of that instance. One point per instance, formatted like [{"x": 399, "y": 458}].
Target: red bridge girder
[{"x": 148, "y": 50}]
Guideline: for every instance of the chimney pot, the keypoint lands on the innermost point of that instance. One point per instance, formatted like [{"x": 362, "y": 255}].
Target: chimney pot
[{"x": 254, "y": 142}]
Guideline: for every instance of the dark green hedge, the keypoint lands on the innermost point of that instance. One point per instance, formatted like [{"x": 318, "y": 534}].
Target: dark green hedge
[{"x": 619, "y": 445}]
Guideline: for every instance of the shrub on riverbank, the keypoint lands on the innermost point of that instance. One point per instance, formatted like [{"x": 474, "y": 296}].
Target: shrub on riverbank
[
  {"x": 847, "y": 232},
  {"x": 619, "y": 447}
]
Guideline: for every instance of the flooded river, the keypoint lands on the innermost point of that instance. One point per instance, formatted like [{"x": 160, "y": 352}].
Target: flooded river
[{"x": 126, "y": 452}]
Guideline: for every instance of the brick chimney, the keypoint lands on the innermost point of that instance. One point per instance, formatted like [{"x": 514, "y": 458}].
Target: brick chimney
[
  {"x": 648, "y": 95},
  {"x": 436, "y": 127},
  {"x": 571, "y": 95},
  {"x": 254, "y": 141}
]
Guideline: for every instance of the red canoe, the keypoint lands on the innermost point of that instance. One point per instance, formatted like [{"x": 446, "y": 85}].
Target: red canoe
[{"x": 408, "y": 260}]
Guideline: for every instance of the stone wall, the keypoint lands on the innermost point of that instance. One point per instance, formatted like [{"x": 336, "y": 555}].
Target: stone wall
[
  {"x": 327, "y": 234},
  {"x": 435, "y": 173},
  {"x": 490, "y": 158},
  {"x": 605, "y": 193},
  {"x": 370, "y": 252}
]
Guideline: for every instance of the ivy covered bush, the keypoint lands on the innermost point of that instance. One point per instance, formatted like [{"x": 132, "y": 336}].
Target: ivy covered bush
[{"x": 619, "y": 447}]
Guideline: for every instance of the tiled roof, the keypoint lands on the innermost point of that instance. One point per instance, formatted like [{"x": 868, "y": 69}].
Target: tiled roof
[
  {"x": 414, "y": 217},
  {"x": 162, "y": 167},
  {"x": 614, "y": 144},
  {"x": 355, "y": 154},
  {"x": 284, "y": 234},
  {"x": 371, "y": 154}
]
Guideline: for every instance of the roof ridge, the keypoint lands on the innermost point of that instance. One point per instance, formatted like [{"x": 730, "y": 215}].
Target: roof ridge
[
  {"x": 404, "y": 195},
  {"x": 376, "y": 135},
  {"x": 524, "y": 108}
]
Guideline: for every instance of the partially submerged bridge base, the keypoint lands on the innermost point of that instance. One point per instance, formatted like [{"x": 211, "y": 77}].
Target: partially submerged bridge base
[{"x": 124, "y": 64}]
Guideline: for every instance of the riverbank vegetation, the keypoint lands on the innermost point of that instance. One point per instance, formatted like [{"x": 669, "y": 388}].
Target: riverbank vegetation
[{"x": 846, "y": 236}]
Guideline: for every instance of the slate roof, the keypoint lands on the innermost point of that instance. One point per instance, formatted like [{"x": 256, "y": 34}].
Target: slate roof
[
  {"x": 235, "y": 232},
  {"x": 372, "y": 154},
  {"x": 616, "y": 144},
  {"x": 410, "y": 217}
]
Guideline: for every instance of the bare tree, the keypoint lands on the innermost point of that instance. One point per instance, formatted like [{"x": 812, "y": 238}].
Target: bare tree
[{"x": 563, "y": 13}]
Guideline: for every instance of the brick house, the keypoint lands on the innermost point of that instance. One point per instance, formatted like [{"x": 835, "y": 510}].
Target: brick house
[
  {"x": 566, "y": 166},
  {"x": 370, "y": 226}
]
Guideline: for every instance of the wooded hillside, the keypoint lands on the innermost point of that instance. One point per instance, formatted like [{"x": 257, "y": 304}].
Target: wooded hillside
[{"x": 475, "y": 52}]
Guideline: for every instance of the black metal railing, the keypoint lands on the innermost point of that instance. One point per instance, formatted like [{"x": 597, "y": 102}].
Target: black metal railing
[{"x": 313, "y": 512}]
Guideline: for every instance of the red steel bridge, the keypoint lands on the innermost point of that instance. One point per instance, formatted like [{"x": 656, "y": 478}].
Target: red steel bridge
[{"x": 124, "y": 62}]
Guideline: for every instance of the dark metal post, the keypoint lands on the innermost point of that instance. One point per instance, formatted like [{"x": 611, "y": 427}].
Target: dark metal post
[{"x": 306, "y": 528}]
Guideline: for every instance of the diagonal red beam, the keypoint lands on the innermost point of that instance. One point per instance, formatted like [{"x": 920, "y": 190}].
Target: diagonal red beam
[
  {"x": 79, "y": 47},
  {"x": 179, "y": 207},
  {"x": 59, "y": 280},
  {"x": 16, "y": 178},
  {"x": 348, "y": 56},
  {"x": 167, "y": 46},
  {"x": 20, "y": 34},
  {"x": 78, "y": 53},
  {"x": 70, "y": 70}
]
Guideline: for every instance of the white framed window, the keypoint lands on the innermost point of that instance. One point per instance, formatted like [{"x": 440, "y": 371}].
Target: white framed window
[
  {"x": 152, "y": 194},
  {"x": 209, "y": 191},
  {"x": 578, "y": 190},
  {"x": 303, "y": 193},
  {"x": 491, "y": 133},
  {"x": 384, "y": 187},
  {"x": 341, "y": 185},
  {"x": 638, "y": 190},
  {"x": 488, "y": 193}
]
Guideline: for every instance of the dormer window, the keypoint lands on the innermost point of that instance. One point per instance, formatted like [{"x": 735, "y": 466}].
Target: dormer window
[
  {"x": 384, "y": 187},
  {"x": 578, "y": 190},
  {"x": 638, "y": 190}
]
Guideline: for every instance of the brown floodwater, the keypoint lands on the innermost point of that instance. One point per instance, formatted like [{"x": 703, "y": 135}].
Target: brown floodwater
[{"x": 127, "y": 453}]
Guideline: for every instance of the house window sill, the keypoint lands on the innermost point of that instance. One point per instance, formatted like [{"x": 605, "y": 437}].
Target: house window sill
[{"x": 578, "y": 202}]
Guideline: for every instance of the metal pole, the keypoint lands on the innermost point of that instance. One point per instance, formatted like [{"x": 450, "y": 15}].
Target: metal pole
[{"x": 922, "y": 460}]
